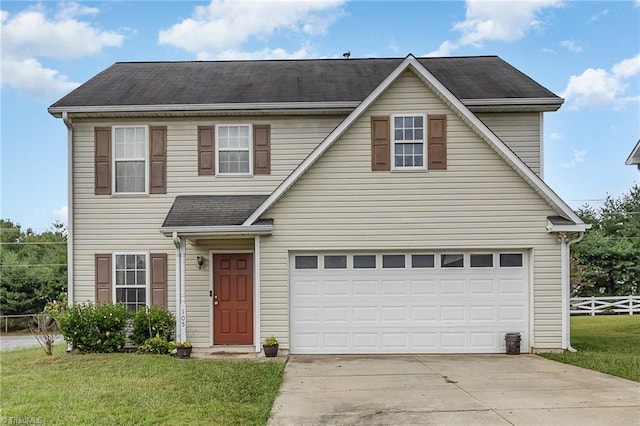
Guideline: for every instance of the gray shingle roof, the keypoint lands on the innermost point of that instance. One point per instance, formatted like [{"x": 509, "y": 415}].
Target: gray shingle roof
[
  {"x": 211, "y": 210},
  {"x": 321, "y": 80}
]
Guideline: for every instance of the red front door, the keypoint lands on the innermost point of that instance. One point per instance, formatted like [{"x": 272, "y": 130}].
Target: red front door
[{"x": 233, "y": 299}]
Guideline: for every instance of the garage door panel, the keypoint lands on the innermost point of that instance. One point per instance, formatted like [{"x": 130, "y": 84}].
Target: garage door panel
[{"x": 425, "y": 310}]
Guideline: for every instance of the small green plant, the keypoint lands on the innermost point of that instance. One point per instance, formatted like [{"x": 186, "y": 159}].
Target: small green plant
[
  {"x": 153, "y": 321},
  {"x": 185, "y": 344},
  {"x": 156, "y": 345},
  {"x": 94, "y": 328},
  {"x": 271, "y": 341}
]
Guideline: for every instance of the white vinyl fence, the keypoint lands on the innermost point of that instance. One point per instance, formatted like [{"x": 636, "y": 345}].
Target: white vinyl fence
[{"x": 605, "y": 305}]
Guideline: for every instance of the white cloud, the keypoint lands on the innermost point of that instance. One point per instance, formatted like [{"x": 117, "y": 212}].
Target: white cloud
[
  {"x": 36, "y": 33},
  {"x": 600, "y": 14},
  {"x": 496, "y": 21},
  {"x": 578, "y": 157},
  {"x": 277, "y": 53},
  {"x": 555, "y": 136},
  {"x": 62, "y": 213},
  {"x": 224, "y": 25},
  {"x": 596, "y": 87},
  {"x": 571, "y": 45}
]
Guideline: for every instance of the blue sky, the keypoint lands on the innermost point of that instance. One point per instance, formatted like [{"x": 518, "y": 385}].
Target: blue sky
[{"x": 586, "y": 52}]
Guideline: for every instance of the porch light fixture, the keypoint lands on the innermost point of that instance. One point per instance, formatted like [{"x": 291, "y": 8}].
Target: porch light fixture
[{"x": 200, "y": 260}]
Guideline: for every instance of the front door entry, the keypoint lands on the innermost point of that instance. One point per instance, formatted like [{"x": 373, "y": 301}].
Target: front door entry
[{"x": 233, "y": 299}]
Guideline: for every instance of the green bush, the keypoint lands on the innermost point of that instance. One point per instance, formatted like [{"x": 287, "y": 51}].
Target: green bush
[
  {"x": 153, "y": 321},
  {"x": 156, "y": 345},
  {"x": 94, "y": 328}
]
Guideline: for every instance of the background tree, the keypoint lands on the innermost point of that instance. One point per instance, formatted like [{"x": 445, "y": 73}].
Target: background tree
[
  {"x": 33, "y": 267},
  {"x": 607, "y": 260}
]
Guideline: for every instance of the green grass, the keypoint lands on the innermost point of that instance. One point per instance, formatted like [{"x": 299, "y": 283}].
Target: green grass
[
  {"x": 116, "y": 389},
  {"x": 607, "y": 343}
]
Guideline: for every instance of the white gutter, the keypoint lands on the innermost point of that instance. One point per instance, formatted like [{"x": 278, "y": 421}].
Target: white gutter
[
  {"x": 577, "y": 227},
  {"x": 565, "y": 248},
  {"x": 69, "y": 124},
  {"x": 218, "y": 230},
  {"x": 202, "y": 107},
  {"x": 512, "y": 101}
]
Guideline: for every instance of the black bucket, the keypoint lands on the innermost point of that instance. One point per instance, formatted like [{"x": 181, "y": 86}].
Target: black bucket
[{"x": 513, "y": 343}]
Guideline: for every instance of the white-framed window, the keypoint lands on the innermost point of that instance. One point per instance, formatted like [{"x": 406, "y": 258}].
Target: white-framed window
[
  {"x": 408, "y": 141},
  {"x": 130, "y": 159},
  {"x": 131, "y": 279},
  {"x": 234, "y": 146}
]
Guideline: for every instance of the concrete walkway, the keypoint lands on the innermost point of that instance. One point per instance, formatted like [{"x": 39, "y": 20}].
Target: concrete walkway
[{"x": 451, "y": 390}]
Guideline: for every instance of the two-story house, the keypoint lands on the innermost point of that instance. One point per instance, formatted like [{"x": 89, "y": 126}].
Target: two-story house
[{"x": 344, "y": 206}]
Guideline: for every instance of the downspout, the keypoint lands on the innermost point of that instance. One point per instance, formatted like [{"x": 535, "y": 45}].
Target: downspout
[
  {"x": 565, "y": 247},
  {"x": 67, "y": 122},
  {"x": 176, "y": 242},
  {"x": 183, "y": 290}
]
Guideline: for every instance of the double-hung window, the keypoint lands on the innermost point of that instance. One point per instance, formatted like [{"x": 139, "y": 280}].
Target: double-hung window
[
  {"x": 234, "y": 149},
  {"x": 131, "y": 279},
  {"x": 408, "y": 137},
  {"x": 130, "y": 158}
]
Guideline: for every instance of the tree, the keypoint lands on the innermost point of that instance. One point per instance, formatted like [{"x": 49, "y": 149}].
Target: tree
[
  {"x": 607, "y": 260},
  {"x": 32, "y": 267}
]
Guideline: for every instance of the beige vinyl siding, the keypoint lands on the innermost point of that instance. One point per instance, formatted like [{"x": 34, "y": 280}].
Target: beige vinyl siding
[
  {"x": 479, "y": 202},
  {"x": 105, "y": 224},
  {"x": 520, "y": 131}
]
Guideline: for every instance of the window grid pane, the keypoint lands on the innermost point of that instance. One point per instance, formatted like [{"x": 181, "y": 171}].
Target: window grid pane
[
  {"x": 422, "y": 261},
  {"x": 364, "y": 261},
  {"x": 234, "y": 149},
  {"x": 306, "y": 262},
  {"x": 510, "y": 260},
  {"x": 452, "y": 260},
  {"x": 131, "y": 280},
  {"x": 481, "y": 260},
  {"x": 393, "y": 261},
  {"x": 335, "y": 262}
]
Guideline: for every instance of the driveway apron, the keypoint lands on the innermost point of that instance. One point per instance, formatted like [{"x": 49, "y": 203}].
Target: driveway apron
[{"x": 450, "y": 390}]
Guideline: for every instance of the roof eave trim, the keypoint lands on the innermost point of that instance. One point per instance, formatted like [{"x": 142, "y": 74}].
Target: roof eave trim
[
  {"x": 512, "y": 101},
  {"x": 577, "y": 227},
  {"x": 634, "y": 157},
  {"x": 203, "y": 231},
  {"x": 58, "y": 111}
]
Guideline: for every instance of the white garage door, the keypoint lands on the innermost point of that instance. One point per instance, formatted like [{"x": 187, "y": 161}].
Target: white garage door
[{"x": 345, "y": 303}]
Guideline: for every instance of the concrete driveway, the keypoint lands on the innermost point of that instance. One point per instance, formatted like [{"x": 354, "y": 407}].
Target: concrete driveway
[
  {"x": 8, "y": 343},
  {"x": 451, "y": 390}
]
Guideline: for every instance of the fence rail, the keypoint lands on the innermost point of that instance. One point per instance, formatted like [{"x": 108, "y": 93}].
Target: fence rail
[
  {"x": 605, "y": 305},
  {"x": 5, "y": 319}
]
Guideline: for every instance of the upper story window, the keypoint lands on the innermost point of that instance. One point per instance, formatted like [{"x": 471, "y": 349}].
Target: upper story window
[
  {"x": 408, "y": 141},
  {"x": 233, "y": 143},
  {"x": 130, "y": 159}
]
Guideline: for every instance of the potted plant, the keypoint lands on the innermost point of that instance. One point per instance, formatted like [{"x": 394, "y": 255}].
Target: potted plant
[
  {"x": 183, "y": 350},
  {"x": 270, "y": 347}
]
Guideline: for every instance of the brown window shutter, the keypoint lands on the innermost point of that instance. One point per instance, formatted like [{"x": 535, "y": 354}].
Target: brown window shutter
[
  {"x": 437, "y": 142},
  {"x": 262, "y": 150},
  {"x": 159, "y": 279},
  {"x": 102, "y": 170},
  {"x": 103, "y": 279},
  {"x": 158, "y": 160},
  {"x": 380, "y": 144},
  {"x": 206, "y": 150}
]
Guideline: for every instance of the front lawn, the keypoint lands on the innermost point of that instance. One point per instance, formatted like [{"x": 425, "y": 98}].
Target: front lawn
[
  {"x": 606, "y": 343},
  {"x": 135, "y": 389}
]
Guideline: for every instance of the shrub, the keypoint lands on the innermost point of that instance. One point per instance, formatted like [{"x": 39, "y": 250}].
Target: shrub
[
  {"x": 153, "y": 321},
  {"x": 94, "y": 328},
  {"x": 156, "y": 345}
]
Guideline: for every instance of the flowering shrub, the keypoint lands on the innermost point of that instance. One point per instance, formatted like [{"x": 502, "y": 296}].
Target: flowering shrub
[
  {"x": 156, "y": 345},
  {"x": 153, "y": 321},
  {"x": 94, "y": 328}
]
